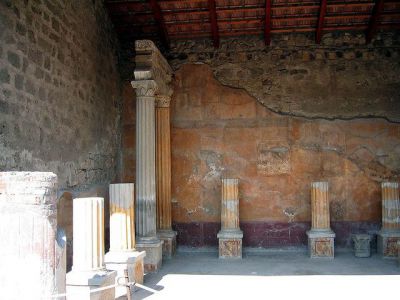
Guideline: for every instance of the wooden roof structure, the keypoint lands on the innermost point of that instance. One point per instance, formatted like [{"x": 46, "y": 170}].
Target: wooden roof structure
[{"x": 168, "y": 20}]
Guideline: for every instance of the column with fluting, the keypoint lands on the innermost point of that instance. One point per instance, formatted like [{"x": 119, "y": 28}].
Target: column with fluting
[
  {"x": 320, "y": 237},
  {"x": 88, "y": 268},
  {"x": 230, "y": 236},
  {"x": 146, "y": 224},
  {"x": 389, "y": 234},
  {"x": 122, "y": 255},
  {"x": 163, "y": 175}
]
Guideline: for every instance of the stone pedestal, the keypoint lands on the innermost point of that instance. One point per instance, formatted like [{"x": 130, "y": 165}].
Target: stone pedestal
[
  {"x": 88, "y": 271},
  {"x": 122, "y": 255},
  {"x": 389, "y": 234},
  {"x": 152, "y": 77},
  {"x": 163, "y": 175},
  {"x": 320, "y": 237},
  {"x": 362, "y": 247},
  {"x": 30, "y": 258},
  {"x": 398, "y": 253},
  {"x": 230, "y": 237}
]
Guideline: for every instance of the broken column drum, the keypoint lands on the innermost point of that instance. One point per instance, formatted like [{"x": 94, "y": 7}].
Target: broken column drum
[
  {"x": 389, "y": 234},
  {"x": 230, "y": 237},
  {"x": 122, "y": 255},
  {"x": 152, "y": 77},
  {"x": 320, "y": 237},
  {"x": 29, "y": 255},
  {"x": 88, "y": 269},
  {"x": 163, "y": 176}
]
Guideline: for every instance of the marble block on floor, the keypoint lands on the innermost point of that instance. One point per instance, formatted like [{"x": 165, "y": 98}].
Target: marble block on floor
[
  {"x": 321, "y": 243},
  {"x": 362, "y": 246}
]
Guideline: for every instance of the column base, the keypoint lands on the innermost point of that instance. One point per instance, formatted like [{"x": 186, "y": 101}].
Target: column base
[
  {"x": 119, "y": 261},
  {"x": 387, "y": 243},
  {"x": 230, "y": 244},
  {"x": 398, "y": 253},
  {"x": 169, "y": 242},
  {"x": 80, "y": 283},
  {"x": 153, "y": 259},
  {"x": 321, "y": 243}
]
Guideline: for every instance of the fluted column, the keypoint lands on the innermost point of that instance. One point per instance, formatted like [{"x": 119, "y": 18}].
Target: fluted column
[
  {"x": 145, "y": 160},
  {"x": 230, "y": 236},
  {"x": 163, "y": 163},
  {"x": 320, "y": 237},
  {"x": 389, "y": 234},
  {"x": 122, "y": 217},
  {"x": 320, "y": 219},
  {"x": 88, "y": 265},
  {"x": 390, "y": 206},
  {"x": 230, "y": 204},
  {"x": 88, "y": 228}
]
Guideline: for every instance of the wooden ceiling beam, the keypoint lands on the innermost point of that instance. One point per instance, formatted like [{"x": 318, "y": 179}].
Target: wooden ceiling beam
[
  {"x": 214, "y": 23},
  {"x": 162, "y": 29},
  {"x": 373, "y": 23},
  {"x": 321, "y": 18},
  {"x": 268, "y": 23}
]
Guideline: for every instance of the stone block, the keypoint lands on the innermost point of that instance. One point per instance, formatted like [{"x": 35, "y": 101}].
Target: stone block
[
  {"x": 133, "y": 261},
  {"x": 362, "y": 246},
  {"x": 153, "y": 259},
  {"x": 321, "y": 244},
  {"x": 387, "y": 243},
  {"x": 169, "y": 242},
  {"x": 80, "y": 285},
  {"x": 230, "y": 244}
]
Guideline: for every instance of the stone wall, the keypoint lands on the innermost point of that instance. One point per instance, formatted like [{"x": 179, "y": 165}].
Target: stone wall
[
  {"x": 278, "y": 118},
  {"x": 60, "y": 96}
]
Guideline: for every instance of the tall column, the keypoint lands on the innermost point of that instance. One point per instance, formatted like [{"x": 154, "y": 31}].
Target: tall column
[
  {"x": 389, "y": 234},
  {"x": 28, "y": 231},
  {"x": 122, "y": 255},
  {"x": 146, "y": 233},
  {"x": 320, "y": 237},
  {"x": 153, "y": 77},
  {"x": 230, "y": 236},
  {"x": 88, "y": 270},
  {"x": 163, "y": 176}
]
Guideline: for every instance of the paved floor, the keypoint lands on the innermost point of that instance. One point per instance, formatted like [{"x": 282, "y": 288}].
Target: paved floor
[{"x": 273, "y": 275}]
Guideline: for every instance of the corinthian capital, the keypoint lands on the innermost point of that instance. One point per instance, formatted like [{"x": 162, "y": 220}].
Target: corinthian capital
[
  {"x": 145, "y": 88},
  {"x": 163, "y": 100}
]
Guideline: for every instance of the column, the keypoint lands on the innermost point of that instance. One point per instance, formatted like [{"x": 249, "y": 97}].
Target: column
[
  {"x": 320, "y": 237},
  {"x": 389, "y": 234},
  {"x": 88, "y": 270},
  {"x": 163, "y": 176},
  {"x": 230, "y": 236},
  {"x": 147, "y": 239},
  {"x": 122, "y": 255},
  {"x": 28, "y": 232}
]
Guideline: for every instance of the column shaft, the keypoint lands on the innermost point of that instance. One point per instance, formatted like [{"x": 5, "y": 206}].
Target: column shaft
[
  {"x": 163, "y": 168},
  {"x": 230, "y": 204},
  {"x": 122, "y": 217},
  {"x": 145, "y": 168},
  {"x": 88, "y": 228},
  {"x": 390, "y": 206},
  {"x": 320, "y": 206}
]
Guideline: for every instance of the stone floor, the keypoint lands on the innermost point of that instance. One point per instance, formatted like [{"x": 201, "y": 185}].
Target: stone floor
[{"x": 272, "y": 275}]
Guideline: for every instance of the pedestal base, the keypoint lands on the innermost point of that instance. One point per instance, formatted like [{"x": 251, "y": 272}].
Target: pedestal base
[
  {"x": 153, "y": 259},
  {"x": 387, "y": 243},
  {"x": 169, "y": 242},
  {"x": 321, "y": 244},
  {"x": 230, "y": 244},
  {"x": 79, "y": 285},
  {"x": 133, "y": 261},
  {"x": 398, "y": 252}
]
